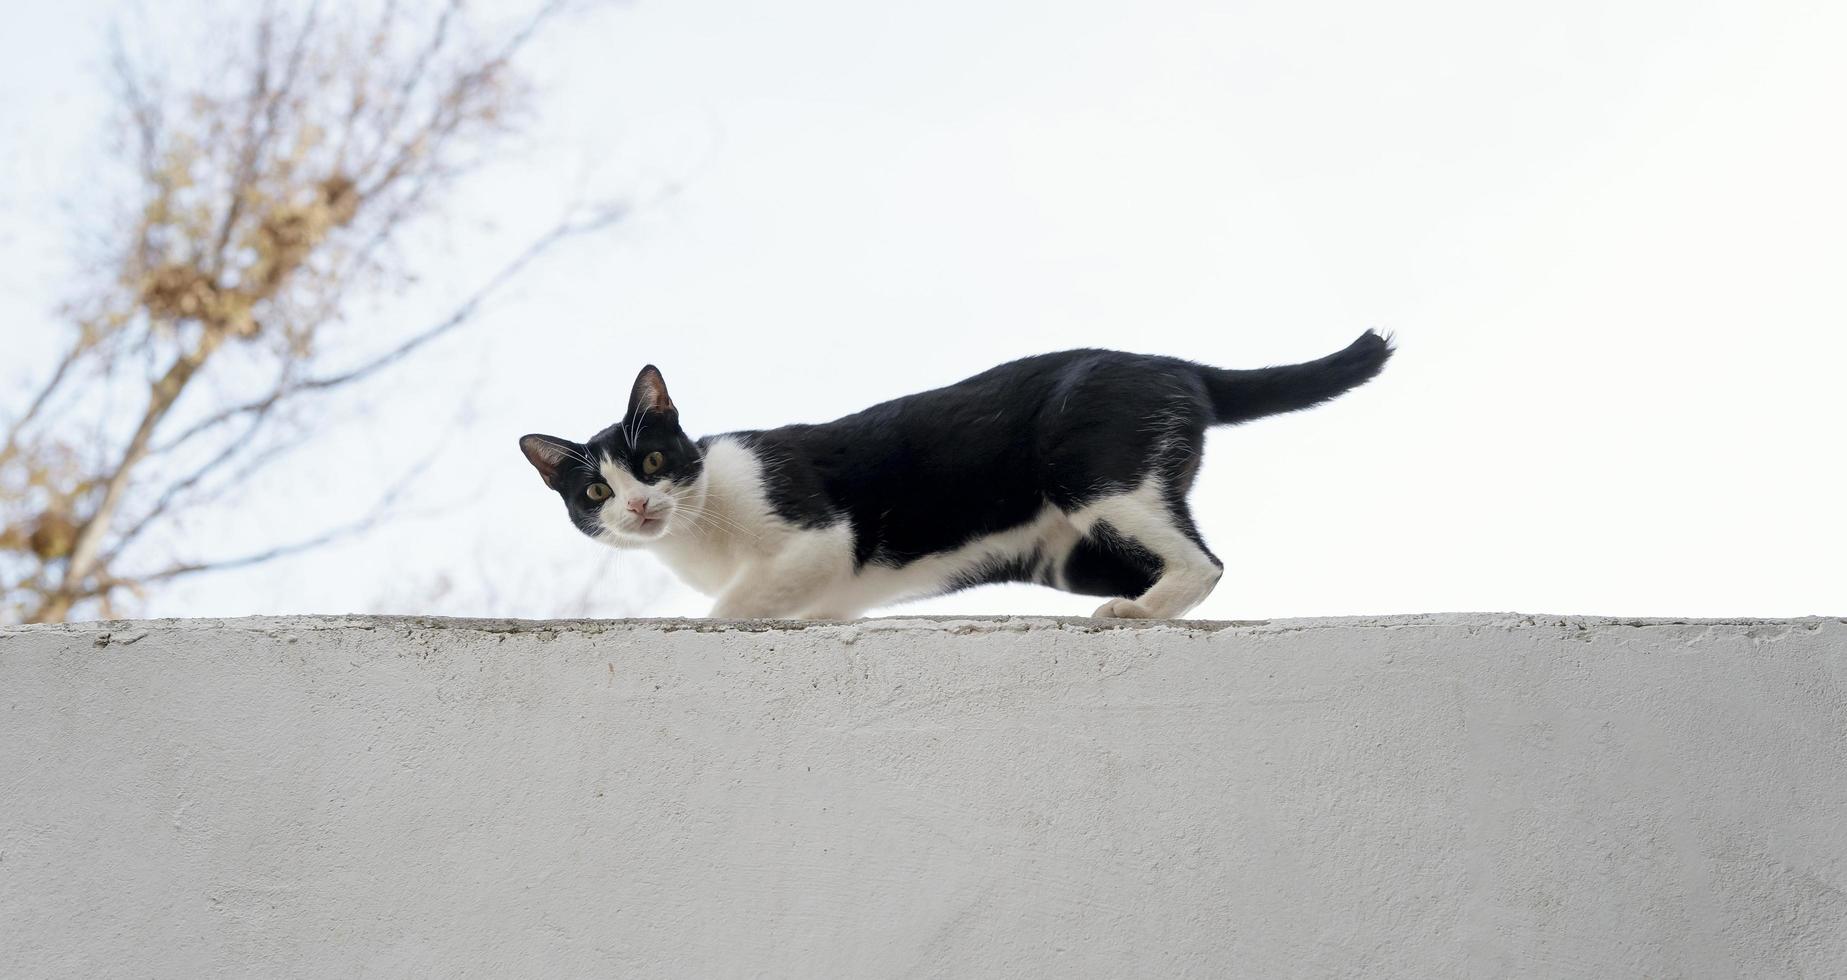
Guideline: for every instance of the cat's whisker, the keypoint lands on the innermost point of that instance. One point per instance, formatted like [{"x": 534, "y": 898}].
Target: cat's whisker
[
  {"x": 712, "y": 526},
  {"x": 726, "y": 522},
  {"x": 580, "y": 457},
  {"x": 697, "y": 524},
  {"x": 689, "y": 527}
]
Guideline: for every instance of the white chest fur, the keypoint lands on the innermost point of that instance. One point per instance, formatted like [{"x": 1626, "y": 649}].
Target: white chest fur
[{"x": 729, "y": 526}]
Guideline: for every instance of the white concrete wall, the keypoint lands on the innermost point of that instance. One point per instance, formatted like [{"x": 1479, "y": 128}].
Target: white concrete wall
[{"x": 1420, "y": 797}]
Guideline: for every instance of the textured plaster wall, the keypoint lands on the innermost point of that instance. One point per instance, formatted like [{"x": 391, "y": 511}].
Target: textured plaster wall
[{"x": 1420, "y": 797}]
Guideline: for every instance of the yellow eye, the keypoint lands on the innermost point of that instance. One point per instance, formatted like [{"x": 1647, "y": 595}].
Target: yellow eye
[
  {"x": 597, "y": 491},
  {"x": 653, "y": 463}
]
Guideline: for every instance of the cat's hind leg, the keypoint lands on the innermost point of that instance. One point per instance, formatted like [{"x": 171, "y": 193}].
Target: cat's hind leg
[{"x": 1164, "y": 528}]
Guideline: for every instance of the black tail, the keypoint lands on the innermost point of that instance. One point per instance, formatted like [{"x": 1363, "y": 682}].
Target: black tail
[{"x": 1239, "y": 396}]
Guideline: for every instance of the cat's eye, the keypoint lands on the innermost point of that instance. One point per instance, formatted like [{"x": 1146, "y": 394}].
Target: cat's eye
[
  {"x": 597, "y": 491},
  {"x": 653, "y": 463}
]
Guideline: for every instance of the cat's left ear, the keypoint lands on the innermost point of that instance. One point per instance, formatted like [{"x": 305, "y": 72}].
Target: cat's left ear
[
  {"x": 650, "y": 393},
  {"x": 549, "y": 454}
]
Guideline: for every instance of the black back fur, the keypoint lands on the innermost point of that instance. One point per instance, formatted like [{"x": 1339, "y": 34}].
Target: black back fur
[{"x": 928, "y": 472}]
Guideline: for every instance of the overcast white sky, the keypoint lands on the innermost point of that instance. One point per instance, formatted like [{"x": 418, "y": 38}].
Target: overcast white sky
[{"x": 1610, "y": 236}]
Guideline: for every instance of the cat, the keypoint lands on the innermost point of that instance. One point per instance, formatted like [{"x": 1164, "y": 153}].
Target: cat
[{"x": 1069, "y": 470}]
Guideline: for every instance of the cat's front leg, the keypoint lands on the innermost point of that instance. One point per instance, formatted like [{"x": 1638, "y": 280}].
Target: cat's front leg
[
  {"x": 760, "y": 594},
  {"x": 744, "y": 605},
  {"x": 798, "y": 578}
]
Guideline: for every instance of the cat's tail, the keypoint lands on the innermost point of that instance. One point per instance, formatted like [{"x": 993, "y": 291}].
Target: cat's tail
[{"x": 1239, "y": 396}]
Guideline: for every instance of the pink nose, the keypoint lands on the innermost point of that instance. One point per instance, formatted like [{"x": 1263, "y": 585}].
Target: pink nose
[{"x": 638, "y": 507}]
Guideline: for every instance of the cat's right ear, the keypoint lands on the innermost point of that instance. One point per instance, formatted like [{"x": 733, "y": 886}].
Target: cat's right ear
[
  {"x": 548, "y": 454},
  {"x": 650, "y": 394}
]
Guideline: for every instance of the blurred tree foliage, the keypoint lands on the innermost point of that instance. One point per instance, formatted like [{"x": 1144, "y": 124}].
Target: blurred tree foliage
[{"x": 271, "y": 198}]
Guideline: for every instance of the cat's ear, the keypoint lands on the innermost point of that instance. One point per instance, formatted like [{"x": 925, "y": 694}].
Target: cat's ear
[
  {"x": 548, "y": 454},
  {"x": 650, "y": 393}
]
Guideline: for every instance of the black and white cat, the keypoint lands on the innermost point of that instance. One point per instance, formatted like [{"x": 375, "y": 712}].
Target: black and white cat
[{"x": 1069, "y": 470}]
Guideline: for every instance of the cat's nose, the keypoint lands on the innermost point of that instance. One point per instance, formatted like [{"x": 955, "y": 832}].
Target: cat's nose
[{"x": 638, "y": 507}]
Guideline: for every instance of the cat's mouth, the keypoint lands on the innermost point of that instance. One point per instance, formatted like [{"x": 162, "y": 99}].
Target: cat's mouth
[{"x": 645, "y": 528}]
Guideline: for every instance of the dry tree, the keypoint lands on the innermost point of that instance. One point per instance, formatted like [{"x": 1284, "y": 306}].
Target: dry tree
[{"x": 271, "y": 194}]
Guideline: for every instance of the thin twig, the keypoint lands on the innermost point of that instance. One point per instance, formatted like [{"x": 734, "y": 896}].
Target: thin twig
[
  {"x": 379, "y": 512},
  {"x": 178, "y": 488},
  {"x": 456, "y": 318},
  {"x": 58, "y": 374}
]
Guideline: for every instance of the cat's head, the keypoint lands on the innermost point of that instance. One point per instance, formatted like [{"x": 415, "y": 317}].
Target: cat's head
[{"x": 632, "y": 481}]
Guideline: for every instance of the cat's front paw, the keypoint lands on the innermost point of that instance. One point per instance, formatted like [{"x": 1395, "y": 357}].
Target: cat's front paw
[{"x": 1122, "y": 609}]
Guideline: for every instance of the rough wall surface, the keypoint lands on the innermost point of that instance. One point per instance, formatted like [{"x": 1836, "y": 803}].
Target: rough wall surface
[{"x": 1419, "y": 797}]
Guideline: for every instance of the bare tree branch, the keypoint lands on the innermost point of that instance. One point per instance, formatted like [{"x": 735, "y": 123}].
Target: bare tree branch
[
  {"x": 472, "y": 305},
  {"x": 177, "y": 490},
  {"x": 58, "y": 374},
  {"x": 450, "y": 109},
  {"x": 106, "y": 584},
  {"x": 80, "y": 562},
  {"x": 380, "y": 511},
  {"x": 461, "y": 315},
  {"x": 270, "y": 193},
  {"x": 142, "y": 109}
]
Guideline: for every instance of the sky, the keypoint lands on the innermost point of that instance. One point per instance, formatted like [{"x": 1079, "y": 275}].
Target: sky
[{"x": 1609, "y": 237}]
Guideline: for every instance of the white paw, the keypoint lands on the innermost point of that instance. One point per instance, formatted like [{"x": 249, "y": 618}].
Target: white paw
[{"x": 1122, "y": 609}]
